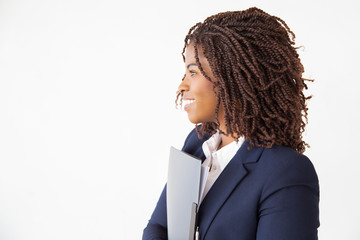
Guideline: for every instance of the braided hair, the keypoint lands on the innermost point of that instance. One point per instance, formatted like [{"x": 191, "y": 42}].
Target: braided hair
[{"x": 258, "y": 77}]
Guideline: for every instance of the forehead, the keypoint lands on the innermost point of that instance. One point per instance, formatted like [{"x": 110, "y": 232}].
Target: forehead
[{"x": 190, "y": 53}]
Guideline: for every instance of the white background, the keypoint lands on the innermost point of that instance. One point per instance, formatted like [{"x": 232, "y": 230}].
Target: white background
[{"x": 87, "y": 110}]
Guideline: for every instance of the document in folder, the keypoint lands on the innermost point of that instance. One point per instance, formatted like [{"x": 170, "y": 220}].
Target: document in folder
[{"x": 182, "y": 194}]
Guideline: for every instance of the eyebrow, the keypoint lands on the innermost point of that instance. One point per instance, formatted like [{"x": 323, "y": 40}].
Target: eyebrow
[{"x": 191, "y": 64}]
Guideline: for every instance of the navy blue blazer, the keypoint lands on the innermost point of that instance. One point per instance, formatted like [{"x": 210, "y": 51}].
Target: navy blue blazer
[{"x": 262, "y": 194}]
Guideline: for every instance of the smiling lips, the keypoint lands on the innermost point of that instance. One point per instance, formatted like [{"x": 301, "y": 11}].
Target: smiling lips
[{"x": 188, "y": 103}]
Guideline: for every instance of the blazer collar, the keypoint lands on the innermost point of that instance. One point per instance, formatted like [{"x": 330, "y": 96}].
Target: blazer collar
[{"x": 230, "y": 177}]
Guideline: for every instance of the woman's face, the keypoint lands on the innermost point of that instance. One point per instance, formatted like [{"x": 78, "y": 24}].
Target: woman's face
[{"x": 199, "y": 99}]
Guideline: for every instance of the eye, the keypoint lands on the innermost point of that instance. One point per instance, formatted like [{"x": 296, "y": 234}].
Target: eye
[{"x": 192, "y": 73}]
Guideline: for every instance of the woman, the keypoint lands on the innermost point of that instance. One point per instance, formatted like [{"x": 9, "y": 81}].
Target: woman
[{"x": 243, "y": 88}]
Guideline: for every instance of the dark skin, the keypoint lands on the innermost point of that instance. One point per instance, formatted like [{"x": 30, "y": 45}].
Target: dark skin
[{"x": 198, "y": 94}]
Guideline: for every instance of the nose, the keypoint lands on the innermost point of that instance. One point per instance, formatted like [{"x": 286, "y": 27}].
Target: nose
[{"x": 183, "y": 87}]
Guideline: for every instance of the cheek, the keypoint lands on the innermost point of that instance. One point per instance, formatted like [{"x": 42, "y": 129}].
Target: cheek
[
  {"x": 208, "y": 103},
  {"x": 207, "y": 94},
  {"x": 204, "y": 87}
]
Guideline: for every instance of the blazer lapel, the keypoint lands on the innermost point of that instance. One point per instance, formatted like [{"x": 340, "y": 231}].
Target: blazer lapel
[{"x": 230, "y": 177}]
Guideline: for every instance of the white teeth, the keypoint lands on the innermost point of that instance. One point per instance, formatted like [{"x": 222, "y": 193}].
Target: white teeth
[{"x": 185, "y": 102}]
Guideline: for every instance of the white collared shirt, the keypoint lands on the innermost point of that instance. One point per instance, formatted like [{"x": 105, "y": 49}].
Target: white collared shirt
[{"x": 216, "y": 160}]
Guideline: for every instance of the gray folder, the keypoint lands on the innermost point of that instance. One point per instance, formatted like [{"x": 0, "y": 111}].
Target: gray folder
[{"x": 182, "y": 194}]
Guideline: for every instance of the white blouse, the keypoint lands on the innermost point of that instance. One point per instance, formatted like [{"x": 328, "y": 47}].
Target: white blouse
[{"x": 216, "y": 160}]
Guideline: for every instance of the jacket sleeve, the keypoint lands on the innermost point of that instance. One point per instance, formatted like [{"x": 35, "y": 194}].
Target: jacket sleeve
[
  {"x": 156, "y": 228},
  {"x": 289, "y": 208}
]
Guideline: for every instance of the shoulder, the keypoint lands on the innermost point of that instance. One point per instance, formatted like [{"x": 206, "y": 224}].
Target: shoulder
[
  {"x": 282, "y": 159},
  {"x": 284, "y": 167}
]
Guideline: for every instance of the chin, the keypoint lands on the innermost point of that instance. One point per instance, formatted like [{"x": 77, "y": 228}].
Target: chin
[
  {"x": 199, "y": 119},
  {"x": 194, "y": 120}
]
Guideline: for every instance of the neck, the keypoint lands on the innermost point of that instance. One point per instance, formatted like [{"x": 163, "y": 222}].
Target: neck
[{"x": 225, "y": 139}]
